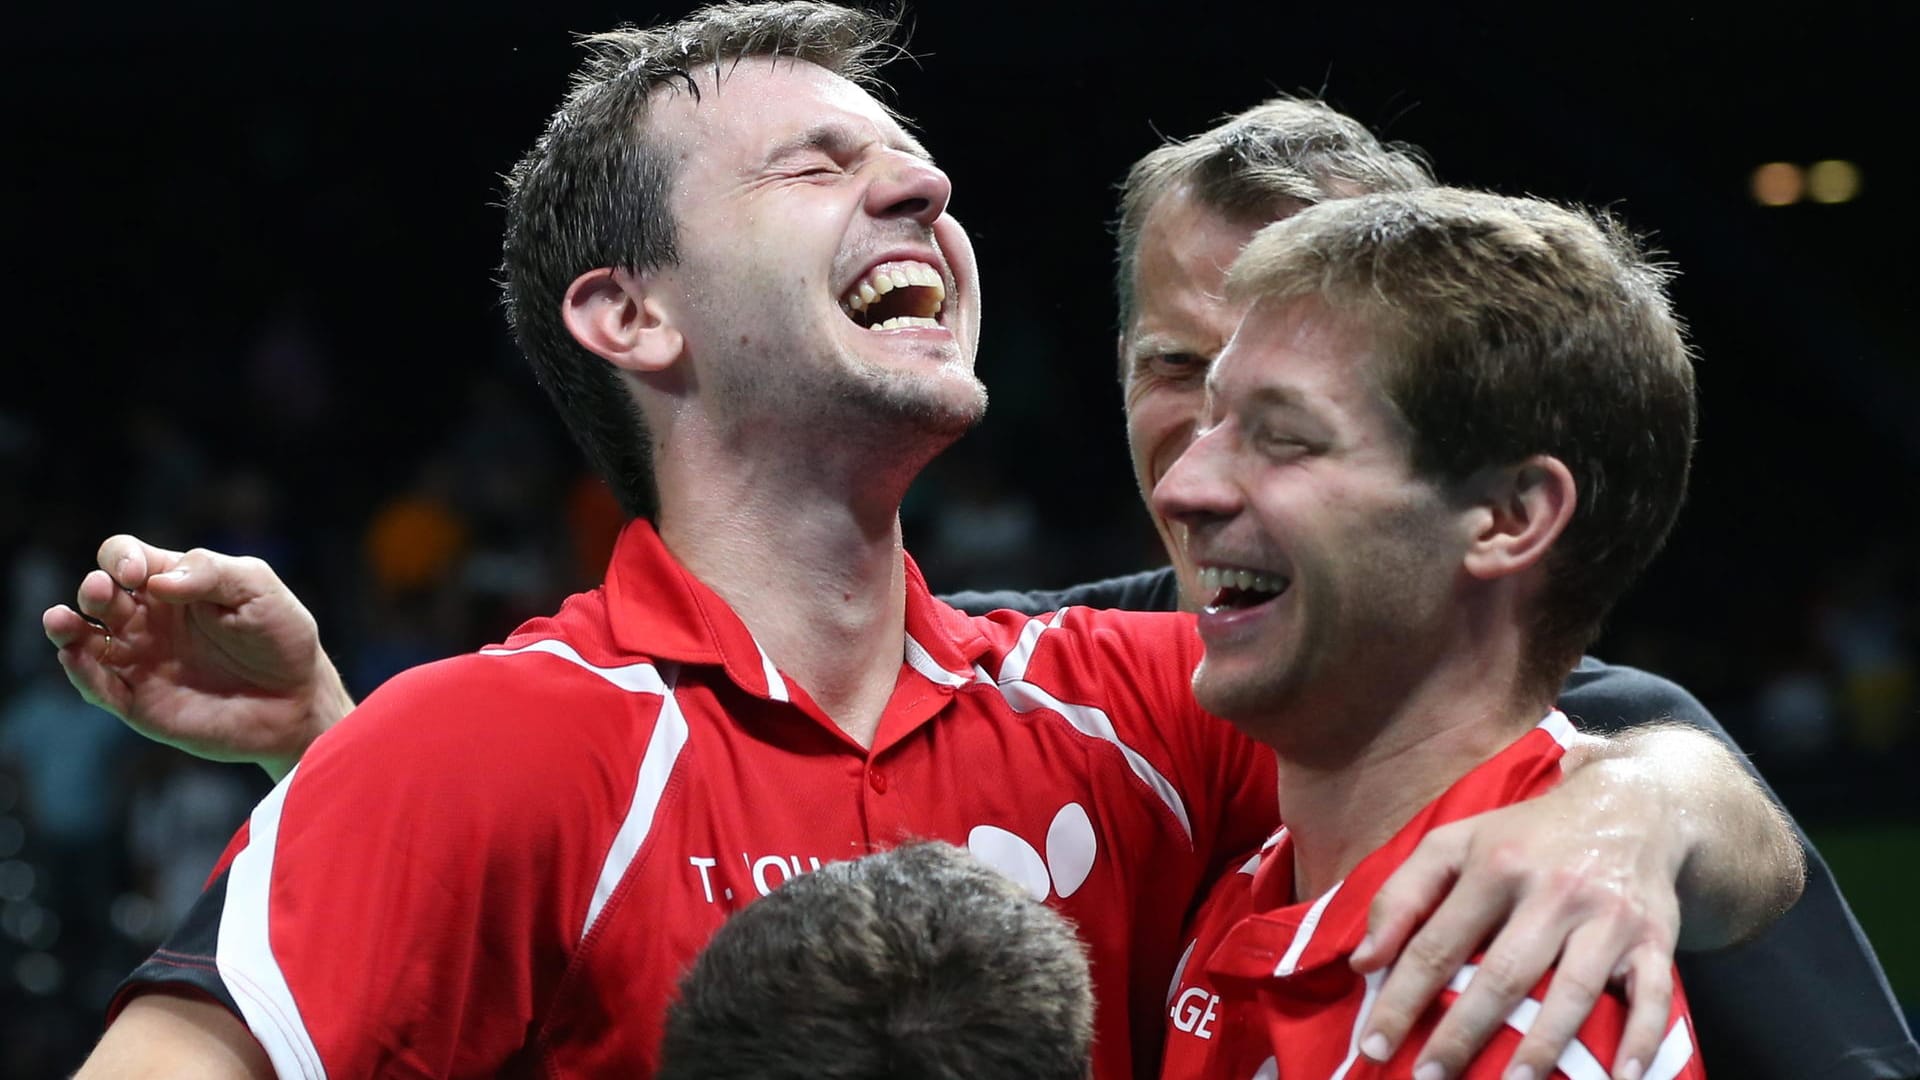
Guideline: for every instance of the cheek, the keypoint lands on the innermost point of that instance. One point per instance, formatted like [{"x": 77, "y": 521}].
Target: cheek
[
  {"x": 1159, "y": 430},
  {"x": 957, "y": 247}
]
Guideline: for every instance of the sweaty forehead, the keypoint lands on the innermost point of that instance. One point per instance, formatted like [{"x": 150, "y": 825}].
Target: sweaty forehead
[{"x": 1303, "y": 350}]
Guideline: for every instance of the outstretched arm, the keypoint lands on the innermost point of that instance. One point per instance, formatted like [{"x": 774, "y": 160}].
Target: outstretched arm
[
  {"x": 207, "y": 652},
  {"x": 1658, "y": 829}
]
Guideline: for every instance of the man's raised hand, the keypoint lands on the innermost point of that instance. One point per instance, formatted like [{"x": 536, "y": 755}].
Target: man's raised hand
[{"x": 210, "y": 653}]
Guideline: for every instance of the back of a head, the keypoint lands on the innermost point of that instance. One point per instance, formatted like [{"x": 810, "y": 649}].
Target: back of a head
[
  {"x": 1509, "y": 327},
  {"x": 919, "y": 962},
  {"x": 1258, "y": 165}
]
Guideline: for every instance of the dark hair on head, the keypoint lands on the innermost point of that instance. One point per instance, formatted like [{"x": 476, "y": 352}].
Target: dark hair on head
[
  {"x": 1505, "y": 328},
  {"x": 1257, "y": 165},
  {"x": 920, "y": 963},
  {"x": 595, "y": 192}
]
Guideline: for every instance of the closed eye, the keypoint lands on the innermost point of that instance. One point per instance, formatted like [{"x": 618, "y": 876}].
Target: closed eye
[
  {"x": 1281, "y": 446},
  {"x": 1173, "y": 365}
]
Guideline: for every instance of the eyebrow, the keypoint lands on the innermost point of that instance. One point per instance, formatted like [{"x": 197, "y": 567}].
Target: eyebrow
[
  {"x": 1264, "y": 398},
  {"x": 1155, "y": 342},
  {"x": 838, "y": 139}
]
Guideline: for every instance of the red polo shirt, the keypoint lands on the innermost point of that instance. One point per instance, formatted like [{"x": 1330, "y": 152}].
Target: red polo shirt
[
  {"x": 1264, "y": 989},
  {"x": 503, "y": 862}
]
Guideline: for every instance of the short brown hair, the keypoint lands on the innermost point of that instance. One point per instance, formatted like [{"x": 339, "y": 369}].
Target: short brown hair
[
  {"x": 1510, "y": 327},
  {"x": 921, "y": 963},
  {"x": 1257, "y": 165},
  {"x": 594, "y": 192}
]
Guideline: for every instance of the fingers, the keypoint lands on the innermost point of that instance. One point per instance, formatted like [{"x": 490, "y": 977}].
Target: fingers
[
  {"x": 82, "y": 658},
  {"x": 1431, "y": 958},
  {"x": 1511, "y": 968},
  {"x": 1415, "y": 889},
  {"x": 105, "y": 602},
  {"x": 82, "y": 650},
  {"x": 206, "y": 576},
  {"x": 131, "y": 561},
  {"x": 1649, "y": 1008},
  {"x": 194, "y": 576},
  {"x": 64, "y": 626},
  {"x": 1591, "y": 953}
]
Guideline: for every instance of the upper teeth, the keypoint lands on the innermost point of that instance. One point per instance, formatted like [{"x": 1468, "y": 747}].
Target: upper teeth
[
  {"x": 889, "y": 276},
  {"x": 1215, "y": 578}
]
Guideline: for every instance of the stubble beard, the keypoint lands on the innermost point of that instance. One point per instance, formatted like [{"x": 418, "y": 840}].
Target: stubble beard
[
  {"x": 799, "y": 378},
  {"x": 897, "y": 405},
  {"x": 1354, "y": 651}
]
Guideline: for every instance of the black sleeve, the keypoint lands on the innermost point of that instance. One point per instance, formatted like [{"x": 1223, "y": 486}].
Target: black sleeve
[
  {"x": 186, "y": 961},
  {"x": 1805, "y": 999},
  {"x": 1149, "y": 590}
]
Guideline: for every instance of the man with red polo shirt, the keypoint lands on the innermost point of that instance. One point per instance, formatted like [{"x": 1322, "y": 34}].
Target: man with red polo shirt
[
  {"x": 737, "y": 279},
  {"x": 1450, "y": 430},
  {"x": 503, "y": 862}
]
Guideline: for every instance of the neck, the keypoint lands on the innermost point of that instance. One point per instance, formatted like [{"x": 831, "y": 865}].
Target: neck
[
  {"x": 807, "y": 551},
  {"x": 1436, "y": 727}
]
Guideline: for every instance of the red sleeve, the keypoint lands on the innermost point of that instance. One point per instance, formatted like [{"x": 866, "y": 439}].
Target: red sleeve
[{"x": 406, "y": 901}]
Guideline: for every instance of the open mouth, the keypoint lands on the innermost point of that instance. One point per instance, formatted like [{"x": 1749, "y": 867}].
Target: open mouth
[
  {"x": 905, "y": 294},
  {"x": 1227, "y": 589}
]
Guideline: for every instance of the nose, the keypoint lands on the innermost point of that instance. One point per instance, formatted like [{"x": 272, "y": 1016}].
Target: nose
[
  {"x": 909, "y": 187},
  {"x": 1199, "y": 488}
]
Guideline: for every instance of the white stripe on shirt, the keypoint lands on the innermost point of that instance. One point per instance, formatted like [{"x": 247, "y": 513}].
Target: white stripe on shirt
[
  {"x": 244, "y": 952},
  {"x": 1089, "y": 720},
  {"x": 656, "y": 766}
]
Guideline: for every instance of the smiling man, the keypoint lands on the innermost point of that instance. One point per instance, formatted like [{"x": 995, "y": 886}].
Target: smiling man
[
  {"x": 735, "y": 274},
  {"x": 1187, "y": 208},
  {"x": 1448, "y": 433}
]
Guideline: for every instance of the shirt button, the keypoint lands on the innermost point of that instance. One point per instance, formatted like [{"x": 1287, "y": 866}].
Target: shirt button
[{"x": 878, "y": 780}]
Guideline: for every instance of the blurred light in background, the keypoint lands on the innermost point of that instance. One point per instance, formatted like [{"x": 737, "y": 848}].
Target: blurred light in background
[
  {"x": 1778, "y": 183},
  {"x": 38, "y": 973},
  {"x": 1833, "y": 181}
]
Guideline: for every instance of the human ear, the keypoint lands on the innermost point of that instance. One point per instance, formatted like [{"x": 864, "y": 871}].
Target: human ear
[
  {"x": 1518, "y": 513},
  {"x": 617, "y": 314}
]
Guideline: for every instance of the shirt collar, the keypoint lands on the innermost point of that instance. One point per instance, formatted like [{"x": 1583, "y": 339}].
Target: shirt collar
[
  {"x": 659, "y": 609},
  {"x": 1283, "y": 937}
]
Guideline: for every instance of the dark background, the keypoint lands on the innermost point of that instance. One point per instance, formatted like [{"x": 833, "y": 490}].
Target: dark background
[{"x": 248, "y": 304}]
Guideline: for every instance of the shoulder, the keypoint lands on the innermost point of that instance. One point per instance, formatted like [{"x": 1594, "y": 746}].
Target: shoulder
[
  {"x": 1094, "y": 649},
  {"x": 1604, "y": 698},
  {"x": 525, "y": 717},
  {"x": 503, "y": 683},
  {"x": 1133, "y": 670}
]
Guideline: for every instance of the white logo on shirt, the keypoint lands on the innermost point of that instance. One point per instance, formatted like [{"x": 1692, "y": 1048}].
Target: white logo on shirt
[
  {"x": 767, "y": 872},
  {"x": 1192, "y": 1016},
  {"x": 1071, "y": 847}
]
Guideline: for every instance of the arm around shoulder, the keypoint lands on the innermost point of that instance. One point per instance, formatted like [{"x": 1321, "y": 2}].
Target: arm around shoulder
[{"x": 1741, "y": 864}]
